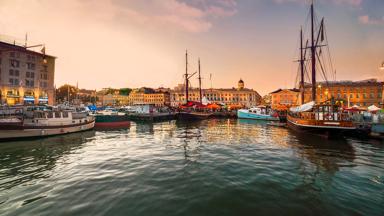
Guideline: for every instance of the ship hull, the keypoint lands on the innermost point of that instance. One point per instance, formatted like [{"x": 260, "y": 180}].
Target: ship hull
[
  {"x": 193, "y": 116},
  {"x": 112, "y": 121},
  {"x": 20, "y": 132},
  {"x": 321, "y": 128}
]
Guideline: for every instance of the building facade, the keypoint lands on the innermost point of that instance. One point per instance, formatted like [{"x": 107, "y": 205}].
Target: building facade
[
  {"x": 287, "y": 97},
  {"x": 363, "y": 93},
  {"x": 26, "y": 76},
  {"x": 232, "y": 96},
  {"x": 159, "y": 97}
]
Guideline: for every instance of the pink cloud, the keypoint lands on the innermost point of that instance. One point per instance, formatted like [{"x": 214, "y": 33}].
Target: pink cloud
[
  {"x": 366, "y": 19},
  {"x": 190, "y": 16}
]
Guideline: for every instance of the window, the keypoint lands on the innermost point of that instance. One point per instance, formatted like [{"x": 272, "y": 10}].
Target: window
[
  {"x": 31, "y": 66},
  {"x": 11, "y": 72},
  {"x": 17, "y": 73},
  {"x": 351, "y": 96},
  {"x": 14, "y": 63},
  {"x": 371, "y": 95},
  {"x": 50, "y": 115},
  {"x": 357, "y": 96},
  {"x": 57, "y": 115},
  {"x": 28, "y": 74},
  {"x": 11, "y": 81},
  {"x": 379, "y": 95}
]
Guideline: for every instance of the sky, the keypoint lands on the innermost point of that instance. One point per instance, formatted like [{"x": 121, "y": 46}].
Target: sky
[{"x": 135, "y": 43}]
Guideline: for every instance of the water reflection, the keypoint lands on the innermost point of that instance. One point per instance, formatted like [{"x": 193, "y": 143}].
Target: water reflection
[{"x": 27, "y": 161}]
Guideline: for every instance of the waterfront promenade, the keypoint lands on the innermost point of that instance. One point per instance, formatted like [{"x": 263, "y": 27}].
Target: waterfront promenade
[{"x": 211, "y": 167}]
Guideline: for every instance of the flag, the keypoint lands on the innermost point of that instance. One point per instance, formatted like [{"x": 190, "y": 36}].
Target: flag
[{"x": 322, "y": 30}]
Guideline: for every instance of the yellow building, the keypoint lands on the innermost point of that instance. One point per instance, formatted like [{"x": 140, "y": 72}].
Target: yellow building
[
  {"x": 114, "y": 99},
  {"x": 26, "y": 76},
  {"x": 149, "y": 96},
  {"x": 362, "y": 93},
  {"x": 231, "y": 96},
  {"x": 287, "y": 97}
]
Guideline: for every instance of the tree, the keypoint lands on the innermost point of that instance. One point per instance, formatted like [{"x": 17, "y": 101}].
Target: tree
[
  {"x": 125, "y": 91},
  {"x": 63, "y": 91}
]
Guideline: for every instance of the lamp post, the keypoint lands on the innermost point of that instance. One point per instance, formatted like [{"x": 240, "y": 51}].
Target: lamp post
[{"x": 321, "y": 93}]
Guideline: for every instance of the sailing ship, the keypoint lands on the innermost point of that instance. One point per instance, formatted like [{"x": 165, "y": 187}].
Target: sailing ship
[
  {"x": 36, "y": 122},
  {"x": 258, "y": 113},
  {"x": 327, "y": 119},
  {"x": 192, "y": 110}
]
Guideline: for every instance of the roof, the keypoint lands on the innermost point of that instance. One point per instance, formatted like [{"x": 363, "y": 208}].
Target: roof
[
  {"x": 279, "y": 90},
  {"x": 21, "y": 49}
]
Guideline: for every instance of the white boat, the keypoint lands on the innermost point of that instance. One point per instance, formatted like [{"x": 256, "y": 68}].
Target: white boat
[
  {"x": 33, "y": 123},
  {"x": 258, "y": 113}
]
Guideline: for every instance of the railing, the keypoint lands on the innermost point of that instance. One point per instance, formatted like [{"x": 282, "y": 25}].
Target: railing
[{"x": 320, "y": 116}]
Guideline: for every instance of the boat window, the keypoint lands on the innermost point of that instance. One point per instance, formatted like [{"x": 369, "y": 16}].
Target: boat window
[
  {"x": 49, "y": 114},
  {"x": 65, "y": 114},
  {"x": 57, "y": 115}
]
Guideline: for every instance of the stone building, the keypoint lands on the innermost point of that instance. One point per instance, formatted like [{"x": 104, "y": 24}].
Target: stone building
[
  {"x": 288, "y": 97},
  {"x": 229, "y": 96},
  {"x": 26, "y": 76},
  {"x": 362, "y": 93}
]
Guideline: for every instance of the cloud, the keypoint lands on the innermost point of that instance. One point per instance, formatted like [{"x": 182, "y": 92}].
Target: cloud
[
  {"x": 186, "y": 15},
  {"x": 366, "y": 19}
]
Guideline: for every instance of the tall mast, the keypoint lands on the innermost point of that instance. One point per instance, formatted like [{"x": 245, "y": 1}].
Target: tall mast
[
  {"x": 313, "y": 52},
  {"x": 200, "y": 94},
  {"x": 302, "y": 90},
  {"x": 186, "y": 76}
]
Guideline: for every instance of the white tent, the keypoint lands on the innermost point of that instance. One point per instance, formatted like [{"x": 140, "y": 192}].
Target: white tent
[
  {"x": 303, "y": 108},
  {"x": 373, "y": 108},
  {"x": 205, "y": 101}
]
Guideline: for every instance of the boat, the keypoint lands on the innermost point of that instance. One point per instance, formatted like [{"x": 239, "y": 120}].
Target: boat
[
  {"x": 32, "y": 122},
  {"x": 192, "y": 110},
  {"x": 320, "y": 118},
  {"x": 258, "y": 113},
  {"x": 193, "y": 115},
  {"x": 111, "y": 118}
]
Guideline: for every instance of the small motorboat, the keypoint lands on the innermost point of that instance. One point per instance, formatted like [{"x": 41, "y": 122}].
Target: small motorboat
[{"x": 258, "y": 113}]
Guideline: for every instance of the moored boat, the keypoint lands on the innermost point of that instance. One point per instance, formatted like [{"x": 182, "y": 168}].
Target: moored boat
[
  {"x": 111, "y": 119},
  {"x": 192, "y": 115},
  {"x": 325, "y": 120},
  {"x": 36, "y": 123},
  {"x": 258, "y": 113}
]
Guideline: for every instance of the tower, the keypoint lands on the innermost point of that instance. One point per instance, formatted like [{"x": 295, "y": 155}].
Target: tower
[{"x": 240, "y": 85}]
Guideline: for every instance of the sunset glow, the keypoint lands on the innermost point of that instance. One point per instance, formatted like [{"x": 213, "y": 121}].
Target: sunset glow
[{"x": 116, "y": 43}]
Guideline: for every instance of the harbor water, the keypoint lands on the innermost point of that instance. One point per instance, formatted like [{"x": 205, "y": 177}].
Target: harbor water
[{"x": 211, "y": 167}]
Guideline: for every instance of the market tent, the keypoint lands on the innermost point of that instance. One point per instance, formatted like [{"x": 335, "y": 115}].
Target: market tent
[
  {"x": 373, "y": 108},
  {"x": 213, "y": 106},
  {"x": 354, "y": 108}
]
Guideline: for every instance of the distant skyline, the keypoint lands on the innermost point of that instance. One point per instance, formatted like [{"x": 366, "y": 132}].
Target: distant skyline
[{"x": 134, "y": 43}]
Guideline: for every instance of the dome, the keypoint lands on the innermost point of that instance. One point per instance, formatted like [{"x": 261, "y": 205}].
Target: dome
[{"x": 241, "y": 81}]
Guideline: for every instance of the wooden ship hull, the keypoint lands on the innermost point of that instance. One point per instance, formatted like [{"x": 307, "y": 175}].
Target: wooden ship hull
[
  {"x": 321, "y": 127},
  {"x": 193, "y": 115}
]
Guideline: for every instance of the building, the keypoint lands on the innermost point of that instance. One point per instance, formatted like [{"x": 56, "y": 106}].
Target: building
[
  {"x": 26, "y": 76},
  {"x": 231, "y": 96},
  {"x": 114, "y": 99},
  {"x": 362, "y": 93},
  {"x": 158, "y": 97},
  {"x": 287, "y": 97}
]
